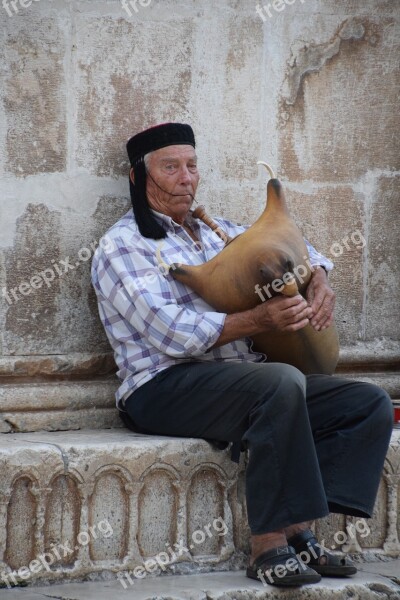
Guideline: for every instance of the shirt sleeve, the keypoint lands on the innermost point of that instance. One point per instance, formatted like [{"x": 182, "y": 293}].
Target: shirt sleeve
[
  {"x": 140, "y": 294},
  {"x": 316, "y": 258}
]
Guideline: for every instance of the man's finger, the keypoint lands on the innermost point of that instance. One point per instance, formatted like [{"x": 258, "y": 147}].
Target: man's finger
[
  {"x": 327, "y": 323},
  {"x": 295, "y": 314},
  {"x": 289, "y": 301},
  {"x": 324, "y": 317},
  {"x": 296, "y": 326},
  {"x": 318, "y": 300},
  {"x": 320, "y": 324},
  {"x": 290, "y": 317}
]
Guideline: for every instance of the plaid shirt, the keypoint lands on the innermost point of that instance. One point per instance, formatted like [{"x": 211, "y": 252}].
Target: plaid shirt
[{"x": 151, "y": 320}]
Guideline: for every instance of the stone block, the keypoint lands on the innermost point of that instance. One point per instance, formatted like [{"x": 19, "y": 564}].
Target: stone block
[
  {"x": 236, "y": 123},
  {"x": 96, "y": 501},
  {"x": 124, "y": 87},
  {"x": 67, "y": 366},
  {"x": 58, "y": 405},
  {"x": 248, "y": 207},
  {"x": 331, "y": 218},
  {"x": 219, "y": 586},
  {"x": 382, "y": 307},
  {"x": 331, "y": 102},
  {"x": 78, "y": 392},
  {"x": 50, "y": 306},
  {"x": 33, "y": 286},
  {"x": 372, "y": 357},
  {"x": 33, "y": 91}
]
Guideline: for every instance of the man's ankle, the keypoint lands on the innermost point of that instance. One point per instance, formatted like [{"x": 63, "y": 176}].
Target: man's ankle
[
  {"x": 266, "y": 541},
  {"x": 293, "y": 530}
]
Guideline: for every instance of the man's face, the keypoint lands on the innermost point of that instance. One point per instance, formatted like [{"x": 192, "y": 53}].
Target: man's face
[{"x": 174, "y": 169}]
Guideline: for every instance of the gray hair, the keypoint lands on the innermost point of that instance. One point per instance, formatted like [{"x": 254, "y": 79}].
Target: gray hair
[{"x": 147, "y": 160}]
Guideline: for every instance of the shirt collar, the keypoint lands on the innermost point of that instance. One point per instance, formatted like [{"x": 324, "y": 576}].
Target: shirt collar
[{"x": 169, "y": 222}]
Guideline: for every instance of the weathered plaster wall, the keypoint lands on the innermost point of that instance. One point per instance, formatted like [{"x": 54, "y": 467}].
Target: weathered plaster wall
[{"x": 311, "y": 89}]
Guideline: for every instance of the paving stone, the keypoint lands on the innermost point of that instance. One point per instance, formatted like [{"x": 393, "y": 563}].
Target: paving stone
[
  {"x": 390, "y": 569},
  {"x": 216, "y": 586}
]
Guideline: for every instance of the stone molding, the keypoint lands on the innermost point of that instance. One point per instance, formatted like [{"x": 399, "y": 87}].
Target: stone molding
[
  {"x": 52, "y": 404},
  {"x": 379, "y": 355}
]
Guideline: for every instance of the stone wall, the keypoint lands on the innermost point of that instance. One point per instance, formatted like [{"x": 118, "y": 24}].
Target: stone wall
[{"x": 308, "y": 85}]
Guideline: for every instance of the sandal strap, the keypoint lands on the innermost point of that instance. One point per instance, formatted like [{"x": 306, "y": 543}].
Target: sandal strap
[
  {"x": 305, "y": 539},
  {"x": 275, "y": 556},
  {"x": 301, "y": 539}
]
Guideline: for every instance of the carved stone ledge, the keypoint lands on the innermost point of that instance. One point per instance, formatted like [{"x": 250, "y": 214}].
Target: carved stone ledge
[
  {"x": 152, "y": 492},
  {"x": 158, "y": 491}
]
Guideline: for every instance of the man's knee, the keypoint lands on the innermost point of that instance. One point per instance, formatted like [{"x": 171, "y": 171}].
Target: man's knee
[
  {"x": 384, "y": 406},
  {"x": 290, "y": 386},
  {"x": 375, "y": 402},
  {"x": 292, "y": 378}
]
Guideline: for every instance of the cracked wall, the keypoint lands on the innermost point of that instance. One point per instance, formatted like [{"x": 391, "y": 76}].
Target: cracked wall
[{"x": 313, "y": 90}]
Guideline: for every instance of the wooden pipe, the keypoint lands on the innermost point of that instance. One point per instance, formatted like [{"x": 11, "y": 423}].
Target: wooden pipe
[
  {"x": 200, "y": 213},
  {"x": 246, "y": 273}
]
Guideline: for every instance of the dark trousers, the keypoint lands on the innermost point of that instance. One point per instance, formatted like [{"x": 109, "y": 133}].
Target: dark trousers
[{"x": 316, "y": 444}]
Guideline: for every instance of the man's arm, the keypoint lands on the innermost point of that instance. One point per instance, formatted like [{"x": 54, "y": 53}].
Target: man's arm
[
  {"x": 284, "y": 314},
  {"x": 278, "y": 314},
  {"x": 137, "y": 302},
  {"x": 320, "y": 296}
]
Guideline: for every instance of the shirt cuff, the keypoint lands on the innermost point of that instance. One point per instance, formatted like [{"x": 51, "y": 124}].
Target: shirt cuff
[{"x": 322, "y": 261}]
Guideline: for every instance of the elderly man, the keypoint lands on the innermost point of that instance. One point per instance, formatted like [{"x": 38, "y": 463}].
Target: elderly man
[{"x": 316, "y": 444}]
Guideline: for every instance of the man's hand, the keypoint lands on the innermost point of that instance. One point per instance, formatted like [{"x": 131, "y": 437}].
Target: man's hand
[
  {"x": 278, "y": 314},
  {"x": 321, "y": 298},
  {"x": 283, "y": 314}
]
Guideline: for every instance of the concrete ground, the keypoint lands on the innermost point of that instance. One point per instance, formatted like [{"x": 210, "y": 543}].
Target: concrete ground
[{"x": 375, "y": 581}]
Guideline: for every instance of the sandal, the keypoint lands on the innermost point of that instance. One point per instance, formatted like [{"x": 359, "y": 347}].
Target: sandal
[
  {"x": 319, "y": 558},
  {"x": 281, "y": 567}
]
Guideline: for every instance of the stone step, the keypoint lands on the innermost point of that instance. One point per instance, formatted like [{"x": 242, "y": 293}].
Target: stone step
[
  {"x": 80, "y": 504},
  {"x": 58, "y": 405},
  {"x": 219, "y": 586},
  {"x": 31, "y": 404}
]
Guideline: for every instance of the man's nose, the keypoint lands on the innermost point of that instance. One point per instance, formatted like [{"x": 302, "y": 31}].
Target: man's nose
[{"x": 184, "y": 176}]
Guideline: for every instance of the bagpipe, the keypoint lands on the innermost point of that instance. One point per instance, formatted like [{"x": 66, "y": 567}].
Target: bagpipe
[{"x": 268, "y": 259}]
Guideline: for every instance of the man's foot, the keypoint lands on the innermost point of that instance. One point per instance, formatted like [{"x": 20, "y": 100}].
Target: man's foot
[
  {"x": 281, "y": 567},
  {"x": 321, "y": 560}
]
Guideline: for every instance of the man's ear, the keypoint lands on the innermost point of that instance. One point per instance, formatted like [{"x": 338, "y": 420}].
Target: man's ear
[{"x": 132, "y": 175}]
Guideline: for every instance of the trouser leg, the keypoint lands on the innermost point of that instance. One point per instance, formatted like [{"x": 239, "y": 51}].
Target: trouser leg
[
  {"x": 352, "y": 424},
  {"x": 306, "y": 451},
  {"x": 263, "y": 404}
]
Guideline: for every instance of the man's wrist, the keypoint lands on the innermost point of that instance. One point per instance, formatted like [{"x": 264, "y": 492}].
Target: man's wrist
[{"x": 319, "y": 267}]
